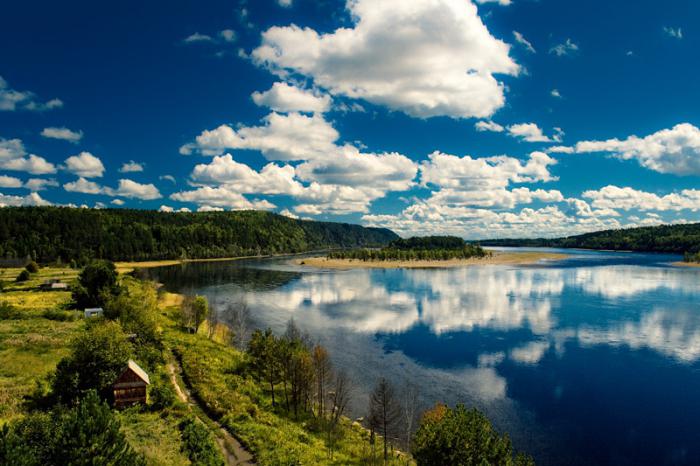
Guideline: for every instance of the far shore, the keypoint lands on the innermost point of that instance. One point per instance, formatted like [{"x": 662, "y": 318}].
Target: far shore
[
  {"x": 497, "y": 258},
  {"x": 126, "y": 267},
  {"x": 686, "y": 264}
]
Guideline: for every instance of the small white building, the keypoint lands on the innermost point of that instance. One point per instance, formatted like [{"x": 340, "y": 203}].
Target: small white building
[{"x": 94, "y": 312}]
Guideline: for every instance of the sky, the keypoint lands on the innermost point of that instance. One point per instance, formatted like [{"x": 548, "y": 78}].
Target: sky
[{"x": 478, "y": 118}]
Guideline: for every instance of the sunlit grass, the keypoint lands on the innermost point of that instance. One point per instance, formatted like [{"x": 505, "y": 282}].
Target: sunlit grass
[{"x": 156, "y": 435}]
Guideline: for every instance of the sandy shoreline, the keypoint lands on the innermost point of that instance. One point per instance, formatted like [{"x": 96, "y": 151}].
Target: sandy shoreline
[
  {"x": 686, "y": 264},
  {"x": 126, "y": 267},
  {"x": 498, "y": 258}
]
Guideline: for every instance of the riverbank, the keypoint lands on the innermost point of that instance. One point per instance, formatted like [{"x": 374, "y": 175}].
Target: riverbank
[
  {"x": 126, "y": 267},
  {"x": 685, "y": 264},
  {"x": 496, "y": 258}
]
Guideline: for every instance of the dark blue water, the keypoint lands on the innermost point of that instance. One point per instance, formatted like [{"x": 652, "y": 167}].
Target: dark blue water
[{"x": 590, "y": 360}]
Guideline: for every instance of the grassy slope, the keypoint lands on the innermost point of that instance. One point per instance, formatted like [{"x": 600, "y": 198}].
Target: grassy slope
[
  {"x": 31, "y": 346},
  {"x": 216, "y": 375}
]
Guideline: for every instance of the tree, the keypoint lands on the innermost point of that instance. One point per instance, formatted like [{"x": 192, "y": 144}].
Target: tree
[
  {"x": 264, "y": 348},
  {"x": 86, "y": 434},
  {"x": 90, "y": 434},
  {"x": 195, "y": 310},
  {"x": 462, "y": 437},
  {"x": 32, "y": 267},
  {"x": 409, "y": 409},
  {"x": 97, "y": 283},
  {"x": 97, "y": 358},
  {"x": 339, "y": 399},
  {"x": 23, "y": 276},
  {"x": 384, "y": 412},
  {"x": 238, "y": 318},
  {"x": 323, "y": 370}
]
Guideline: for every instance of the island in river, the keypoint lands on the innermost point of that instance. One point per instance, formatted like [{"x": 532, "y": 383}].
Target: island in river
[{"x": 495, "y": 258}]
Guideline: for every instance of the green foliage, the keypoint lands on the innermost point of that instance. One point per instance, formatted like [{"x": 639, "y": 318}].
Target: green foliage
[
  {"x": 194, "y": 311},
  {"x": 677, "y": 239},
  {"x": 97, "y": 283},
  {"x": 32, "y": 267},
  {"x": 59, "y": 315},
  {"x": 461, "y": 437},
  {"x": 198, "y": 443},
  {"x": 86, "y": 434},
  {"x": 98, "y": 356},
  {"x": 688, "y": 257},
  {"x": 81, "y": 235},
  {"x": 23, "y": 276},
  {"x": 417, "y": 248},
  {"x": 9, "y": 312},
  {"x": 428, "y": 242}
]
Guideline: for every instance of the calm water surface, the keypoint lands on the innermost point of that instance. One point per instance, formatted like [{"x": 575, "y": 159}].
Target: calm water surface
[{"x": 590, "y": 360}]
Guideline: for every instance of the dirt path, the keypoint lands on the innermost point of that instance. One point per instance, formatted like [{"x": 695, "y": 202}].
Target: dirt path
[{"x": 234, "y": 453}]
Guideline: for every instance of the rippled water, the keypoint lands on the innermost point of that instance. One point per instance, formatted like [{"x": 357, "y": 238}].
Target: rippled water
[{"x": 591, "y": 360}]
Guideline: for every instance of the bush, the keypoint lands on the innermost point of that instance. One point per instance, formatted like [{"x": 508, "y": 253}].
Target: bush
[
  {"x": 461, "y": 437},
  {"x": 98, "y": 356},
  {"x": 23, "y": 276},
  {"x": 162, "y": 395},
  {"x": 198, "y": 443},
  {"x": 9, "y": 312},
  {"x": 32, "y": 267},
  {"x": 86, "y": 434},
  {"x": 59, "y": 315},
  {"x": 97, "y": 283}
]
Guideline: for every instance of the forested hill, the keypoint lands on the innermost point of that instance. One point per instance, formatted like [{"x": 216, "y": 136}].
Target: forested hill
[
  {"x": 665, "y": 238},
  {"x": 50, "y": 233}
]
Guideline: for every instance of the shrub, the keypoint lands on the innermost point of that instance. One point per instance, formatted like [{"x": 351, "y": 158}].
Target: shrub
[
  {"x": 32, "y": 267},
  {"x": 97, "y": 283},
  {"x": 59, "y": 315},
  {"x": 8, "y": 312},
  {"x": 162, "y": 395},
  {"x": 23, "y": 276},
  {"x": 198, "y": 443},
  {"x": 461, "y": 437}
]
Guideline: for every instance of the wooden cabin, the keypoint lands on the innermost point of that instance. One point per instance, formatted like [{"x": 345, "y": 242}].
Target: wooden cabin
[{"x": 130, "y": 386}]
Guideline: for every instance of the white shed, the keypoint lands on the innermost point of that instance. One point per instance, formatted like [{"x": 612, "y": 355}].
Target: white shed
[{"x": 94, "y": 312}]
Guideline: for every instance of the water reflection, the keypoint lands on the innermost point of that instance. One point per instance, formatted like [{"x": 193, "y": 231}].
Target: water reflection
[{"x": 572, "y": 358}]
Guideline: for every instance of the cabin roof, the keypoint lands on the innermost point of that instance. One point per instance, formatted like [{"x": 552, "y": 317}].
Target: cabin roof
[{"x": 136, "y": 369}]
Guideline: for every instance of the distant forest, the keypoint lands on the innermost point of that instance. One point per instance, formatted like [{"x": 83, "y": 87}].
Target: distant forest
[
  {"x": 48, "y": 234},
  {"x": 416, "y": 248},
  {"x": 680, "y": 239}
]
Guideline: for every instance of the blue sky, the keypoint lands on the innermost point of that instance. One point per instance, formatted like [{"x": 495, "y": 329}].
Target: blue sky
[{"x": 482, "y": 118}]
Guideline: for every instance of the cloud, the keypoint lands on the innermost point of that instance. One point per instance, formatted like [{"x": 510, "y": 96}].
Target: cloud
[
  {"x": 11, "y": 100},
  {"x": 39, "y": 184},
  {"x": 285, "y": 98},
  {"x": 84, "y": 165},
  {"x": 500, "y": 2},
  {"x": 285, "y": 3},
  {"x": 133, "y": 190},
  {"x": 31, "y": 199},
  {"x": 197, "y": 38},
  {"x": 62, "y": 133},
  {"x": 488, "y": 125},
  {"x": 614, "y": 197},
  {"x": 220, "y": 197},
  {"x": 520, "y": 39},
  {"x": 675, "y": 150},
  {"x": 83, "y": 186},
  {"x": 563, "y": 49},
  {"x": 131, "y": 167},
  {"x": 14, "y": 157},
  {"x": 117, "y": 202},
  {"x": 676, "y": 33},
  {"x": 530, "y": 132},
  {"x": 223, "y": 170},
  {"x": 425, "y": 58},
  {"x": 282, "y": 137},
  {"x": 228, "y": 35},
  {"x": 170, "y": 178},
  {"x": 10, "y": 182},
  {"x": 555, "y": 93}
]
